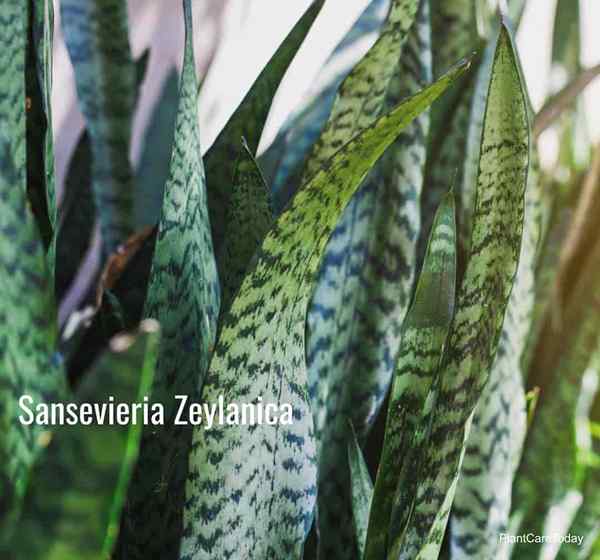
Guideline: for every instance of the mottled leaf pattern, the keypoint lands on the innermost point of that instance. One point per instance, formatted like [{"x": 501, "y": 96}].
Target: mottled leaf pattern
[
  {"x": 454, "y": 35},
  {"x": 183, "y": 293},
  {"x": 481, "y": 304},
  {"x": 249, "y": 217},
  {"x": 362, "y": 492},
  {"x": 248, "y": 121},
  {"x": 28, "y": 331},
  {"x": 96, "y": 35},
  {"x": 483, "y": 496},
  {"x": 415, "y": 383},
  {"x": 237, "y": 508},
  {"x": 363, "y": 289},
  {"x": 302, "y": 129},
  {"x": 77, "y": 488},
  {"x": 361, "y": 95}
]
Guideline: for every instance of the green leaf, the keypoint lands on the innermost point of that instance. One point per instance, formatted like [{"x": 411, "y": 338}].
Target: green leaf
[
  {"x": 481, "y": 303},
  {"x": 40, "y": 152},
  {"x": 267, "y": 507},
  {"x": 483, "y": 496},
  {"x": 363, "y": 291},
  {"x": 153, "y": 170},
  {"x": 77, "y": 215},
  {"x": 249, "y": 218},
  {"x": 286, "y": 154},
  {"x": 362, "y": 492},
  {"x": 183, "y": 294},
  {"x": 96, "y": 36},
  {"x": 454, "y": 34},
  {"x": 361, "y": 96},
  {"x": 77, "y": 489},
  {"x": 28, "y": 332},
  {"x": 416, "y": 381},
  {"x": 248, "y": 122},
  {"x": 566, "y": 44}
]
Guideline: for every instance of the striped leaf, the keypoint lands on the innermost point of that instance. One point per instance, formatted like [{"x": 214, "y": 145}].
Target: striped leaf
[
  {"x": 77, "y": 213},
  {"x": 454, "y": 35},
  {"x": 28, "y": 332},
  {"x": 248, "y": 122},
  {"x": 77, "y": 489},
  {"x": 301, "y": 130},
  {"x": 362, "y": 294},
  {"x": 481, "y": 304},
  {"x": 249, "y": 217},
  {"x": 96, "y": 35},
  {"x": 415, "y": 384},
  {"x": 483, "y": 496},
  {"x": 251, "y": 489},
  {"x": 183, "y": 293},
  {"x": 361, "y": 96},
  {"x": 362, "y": 492}
]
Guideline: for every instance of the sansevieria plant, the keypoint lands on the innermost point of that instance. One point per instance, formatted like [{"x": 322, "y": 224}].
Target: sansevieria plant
[{"x": 396, "y": 276}]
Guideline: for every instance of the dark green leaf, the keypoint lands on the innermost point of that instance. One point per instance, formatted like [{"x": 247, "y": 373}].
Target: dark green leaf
[
  {"x": 78, "y": 486},
  {"x": 96, "y": 35},
  {"x": 183, "y": 294},
  {"x": 416, "y": 382},
  {"x": 362, "y": 492},
  {"x": 248, "y": 121}
]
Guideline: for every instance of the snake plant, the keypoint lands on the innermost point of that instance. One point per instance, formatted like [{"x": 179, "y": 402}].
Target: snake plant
[{"x": 397, "y": 271}]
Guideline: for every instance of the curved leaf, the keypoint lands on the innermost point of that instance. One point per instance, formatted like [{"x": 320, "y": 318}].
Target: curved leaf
[
  {"x": 302, "y": 129},
  {"x": 361, "y": 95},
  {"x": 362, "y": 492},
  {"x": 96, "y": 36},
  {"x": 248, "y": 121},
  {"x": 77, "y": 489},
  {"x": 481, "y": 303},
  {"x": 249, "y": 218},
  {"x": 362, "y": 293},
  {"x": 183, "y": 294},
  {"x": 28, "y": 331},
  {"x": 416, "y": 379},
  {"x": 251, "y": 489}
]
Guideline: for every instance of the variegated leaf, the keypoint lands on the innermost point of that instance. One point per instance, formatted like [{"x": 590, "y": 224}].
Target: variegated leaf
[
  {"x": 183, "y": 293},
  {"x": 415, "y": 384},
  {"x": 363, "y": 292},
  {"x": 248, "y": 122},
  {"x": 481, "y": 304},
  {"x": 96, "y": 35},
  {"x": 249, "y": 218},
  {"x": 251, "y": 488},
  {"x": 302, "y": 129},
  {"x": 29, "y": 363},
  {"x": 362, "y": 492}
]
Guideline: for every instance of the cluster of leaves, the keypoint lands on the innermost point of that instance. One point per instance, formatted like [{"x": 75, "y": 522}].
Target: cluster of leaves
[{"x": 394, "y": 266}]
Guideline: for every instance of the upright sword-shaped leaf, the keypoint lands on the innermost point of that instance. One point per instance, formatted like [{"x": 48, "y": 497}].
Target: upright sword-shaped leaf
[
  {"x": 96, "y": 36},
  {"x": 251, "y": 488},
  {"x": 481, "y": 304},
  {"x": 416, "y": 379},
  {"x": 183, "y": 293},
  {"x": 29, "y": 363},
  {"x": 366, "y": 277},
  {"x": 248, "y": 122}
]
